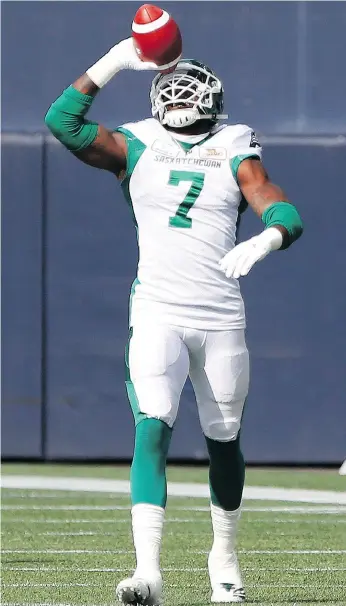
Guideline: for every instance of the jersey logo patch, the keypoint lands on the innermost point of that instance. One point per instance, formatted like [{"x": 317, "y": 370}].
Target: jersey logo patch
[
  {"x": 166, "y": 149},
  {"x": 218, "y": 153},
  {"x": 254, "y": 142}
]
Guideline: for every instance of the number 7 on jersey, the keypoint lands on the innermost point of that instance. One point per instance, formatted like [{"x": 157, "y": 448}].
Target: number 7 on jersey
[{"x": 197, "y": 181}]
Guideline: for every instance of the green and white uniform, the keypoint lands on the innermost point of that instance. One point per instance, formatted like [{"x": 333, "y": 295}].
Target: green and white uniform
[
  {"x": 187, "y": 317},
  {"x": 186, "y": 204}
]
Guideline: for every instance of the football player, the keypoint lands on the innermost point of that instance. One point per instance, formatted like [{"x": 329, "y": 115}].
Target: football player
[{"x": 187, "y": 179}]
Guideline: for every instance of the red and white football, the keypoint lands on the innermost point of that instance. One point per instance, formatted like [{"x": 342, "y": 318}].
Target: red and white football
[{"x": 157, "y": 37}]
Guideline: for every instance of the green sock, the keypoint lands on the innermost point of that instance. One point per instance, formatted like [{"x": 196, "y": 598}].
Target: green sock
[
  {"x": 226, "y": 473},
  {"x": 148, "y": 469}
]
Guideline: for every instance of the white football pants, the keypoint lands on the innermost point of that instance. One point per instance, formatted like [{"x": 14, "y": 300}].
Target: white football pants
[{"x": 160, "y": 359}]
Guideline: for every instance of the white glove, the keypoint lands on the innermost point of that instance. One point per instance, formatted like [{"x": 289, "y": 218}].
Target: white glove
[
  {"x": 121, "y": 56},
  {"x": 243, "y": 257}
]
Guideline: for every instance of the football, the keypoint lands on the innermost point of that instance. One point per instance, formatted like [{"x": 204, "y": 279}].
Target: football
[{"x": 157, "y": 37}]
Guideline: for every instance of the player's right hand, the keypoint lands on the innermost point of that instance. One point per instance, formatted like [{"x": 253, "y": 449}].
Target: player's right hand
[
  {"x": 121, "y": 56},
  {"x": 127, "y": 57}
]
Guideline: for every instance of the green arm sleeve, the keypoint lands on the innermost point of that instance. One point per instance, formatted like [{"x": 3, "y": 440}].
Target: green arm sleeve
[
  {"x": 237, "y": 160},
  {"x": 285, "y": 214},
  {"x": 65, "y": 120}
]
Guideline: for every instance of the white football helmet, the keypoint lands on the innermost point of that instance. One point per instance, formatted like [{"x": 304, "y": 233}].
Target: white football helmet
[{"x": 191, "y": 92}]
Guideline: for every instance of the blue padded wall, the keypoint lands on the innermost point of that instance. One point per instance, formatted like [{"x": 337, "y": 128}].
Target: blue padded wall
[
  {"x": 21, "y": 294},
  {"x": 69, "y": 248},
  {"x": 282, "y": 63}
]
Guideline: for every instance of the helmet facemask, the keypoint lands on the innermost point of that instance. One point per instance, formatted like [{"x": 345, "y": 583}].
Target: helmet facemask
[{"x": 191, "y": 92}]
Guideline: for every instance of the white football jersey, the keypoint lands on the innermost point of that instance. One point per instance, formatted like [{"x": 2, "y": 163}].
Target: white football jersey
[{"x": 186, "y": 204}]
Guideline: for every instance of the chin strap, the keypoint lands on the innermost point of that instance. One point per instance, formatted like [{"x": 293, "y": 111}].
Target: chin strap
[{"x": 178, "y": 118}]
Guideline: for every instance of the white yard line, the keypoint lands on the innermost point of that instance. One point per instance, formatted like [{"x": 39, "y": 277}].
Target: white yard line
[
  {"x": 94, "y": 522},
  {"x": 39, "y": 494},
  {"x": 262, "y": 585},
  {"x": 191, "y": 551},
  {"x": 174, "y": 489},
  {"x": 297, "y": 509},
  {"x": 30, "y": 585},
  {"x": 318, "y": 510},
  {"x": 293, "y": 521},
  {"x": 40, "y": 570},
  {"x": 68, "y": 551},
  {"x": 194, "y": 521},
  {"x": 74, "y": 534},
  {"x": 46, "y": 604},
  {"x": 113, "y": 522},
  {"x": 64, "y": 508},
  {"x": 315, "y": 509}
]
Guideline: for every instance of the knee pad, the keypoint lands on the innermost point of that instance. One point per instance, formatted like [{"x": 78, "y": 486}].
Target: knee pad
[
  {"x": 158, "y": 362},
  {"x": 221, "y": 408},
  {"x": 230, "y": 380},
  {"x": 224, "y": 425}
]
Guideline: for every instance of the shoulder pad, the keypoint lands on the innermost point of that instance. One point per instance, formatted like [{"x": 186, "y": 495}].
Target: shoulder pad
[
  {"x": 145, "y": 130},
  {"x": 241, "y": 139}
]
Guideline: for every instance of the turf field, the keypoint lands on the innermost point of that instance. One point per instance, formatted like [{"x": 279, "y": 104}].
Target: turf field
[{"x": 71, "y": 548}]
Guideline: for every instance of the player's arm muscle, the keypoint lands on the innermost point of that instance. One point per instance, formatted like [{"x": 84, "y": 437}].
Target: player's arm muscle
[
  {"x": 90, "y": 142},
  {"x": 269, "y": 201},
  {"x": 259, "y": 192}
]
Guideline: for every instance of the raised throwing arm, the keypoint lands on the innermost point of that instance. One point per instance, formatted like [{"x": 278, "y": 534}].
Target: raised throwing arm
[{"x": 89, "y": 141}]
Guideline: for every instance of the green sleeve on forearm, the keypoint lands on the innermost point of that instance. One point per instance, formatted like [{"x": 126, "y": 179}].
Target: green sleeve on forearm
[
  {"x": 65, "y": 119},
  {"x": 285, "y": 214}
]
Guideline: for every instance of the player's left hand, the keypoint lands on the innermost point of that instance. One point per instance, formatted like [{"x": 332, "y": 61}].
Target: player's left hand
[{"x": 243, "y": 257}]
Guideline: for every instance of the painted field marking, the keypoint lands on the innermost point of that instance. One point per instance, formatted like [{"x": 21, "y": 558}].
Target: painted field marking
[
  {"x": 293, "y": 521},
  {"x": 68, "y": 551},
  {"x": 114, "y": 521},
  {"x": 46, "y": 604},
  {"x": 336, "y": 510},
  {"x": 262, "y": 585},
  {"x": 68, "y": 494},
  {"x": 192, "y": 551},
  {"x": 92, "y": 533},
  {"x": 65, "y": 507},
  {"x": 176, "y": 489},
  {"x": 331, "y": 510},
  {"x": 39, "y": 570},
  {"x": 297, "y": 509},
  {"x": 28, "y": 584},
  {"x": 81, "y": 533},
  {"x": 94, "y": 521}
]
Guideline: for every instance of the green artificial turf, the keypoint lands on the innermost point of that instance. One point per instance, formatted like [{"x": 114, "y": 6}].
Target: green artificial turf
[{"x": 71, "y": 548}]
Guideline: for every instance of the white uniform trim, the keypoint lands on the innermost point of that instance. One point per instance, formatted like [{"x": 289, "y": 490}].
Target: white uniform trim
[{"x": 147, "y": 28}]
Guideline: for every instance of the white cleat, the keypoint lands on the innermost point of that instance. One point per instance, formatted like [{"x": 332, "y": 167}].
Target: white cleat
[
  {"x": 225, "y": 578},
  {"x": 137, "y": 591},
  {"x": 228, "y": 593}
]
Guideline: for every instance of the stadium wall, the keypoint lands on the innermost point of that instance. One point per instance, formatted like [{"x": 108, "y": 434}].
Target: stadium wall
[{"x": 69, "y": 248}]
